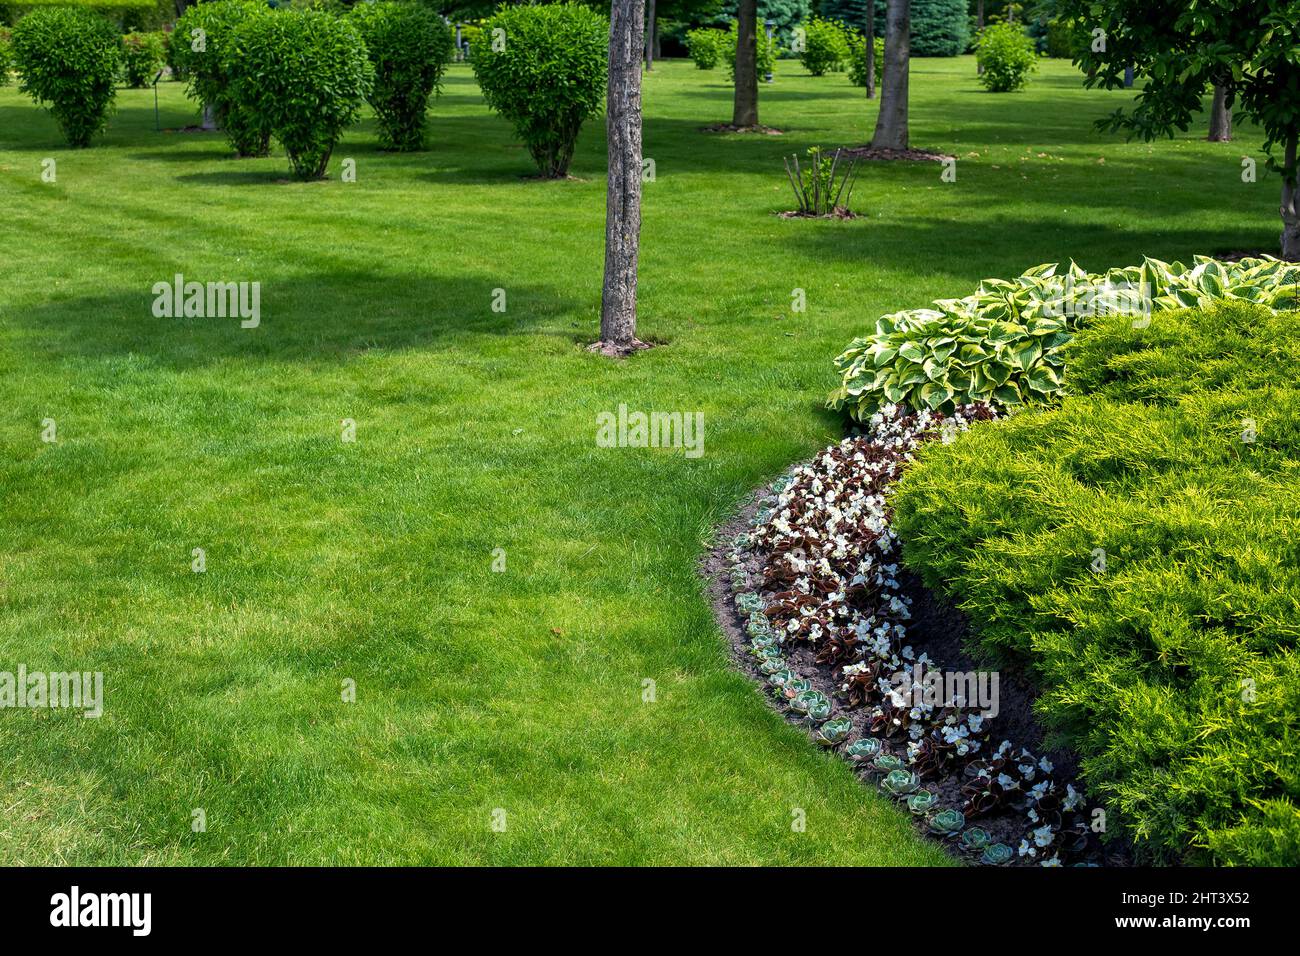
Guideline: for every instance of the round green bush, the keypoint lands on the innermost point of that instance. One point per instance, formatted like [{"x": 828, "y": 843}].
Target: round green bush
[
  {"x": 543, "y": 68},
  {"x": 1007, "y": 55},
  {"x": 409, "y": 46},
  {"x": 304, "y": 75},
  {"x": 705, "y": 47},
  {"x": 825, "y": 47},
  {"x": 858, "y": 59},
  {"x": 142, "y": 58},
  {"x": 69, "y": 59},
  {"x": 6, "y": 56},
  {"x": 200, "y": 47}
]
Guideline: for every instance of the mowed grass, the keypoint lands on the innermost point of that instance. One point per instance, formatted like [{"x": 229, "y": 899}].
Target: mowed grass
[{"x": 372, "y": 561}]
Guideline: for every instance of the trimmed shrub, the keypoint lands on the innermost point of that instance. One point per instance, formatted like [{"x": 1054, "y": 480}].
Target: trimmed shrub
[
  {"x": 6, "y": 56},
  {"x": 142, "y": 58},
  {"x": 705, "y": 47},
  {"x": 1137, "y": 550},
  {"x": 1007, "y": 55},
  {"x": 858, "y": 59},
  {"x": 768, "y": 50},
  {"x": 69, "y": 59},
  {"x": 303, "y": 75},
  {"x": 826, "y": 47},
  {"x": 200, "y": 48},
  {"x": 543, "y": 68},
  {"x": 409, "y": 47}
]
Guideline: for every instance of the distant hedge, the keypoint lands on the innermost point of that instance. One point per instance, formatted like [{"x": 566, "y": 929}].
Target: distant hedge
[{"x": 939, "y": 27}]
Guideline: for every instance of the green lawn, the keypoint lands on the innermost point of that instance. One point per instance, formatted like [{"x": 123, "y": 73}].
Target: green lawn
[{"x": 371, "y": 561}]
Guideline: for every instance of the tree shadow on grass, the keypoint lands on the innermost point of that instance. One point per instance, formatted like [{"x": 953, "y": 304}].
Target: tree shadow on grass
[{"x": 316, "y": 318}]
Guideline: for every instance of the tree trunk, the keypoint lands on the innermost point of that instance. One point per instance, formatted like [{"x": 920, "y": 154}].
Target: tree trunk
[
  {"x": 650, "y": 36},
  {"x": 1290, "y": 204},
  {"x": 1220, "y": 116},
  {"x": 891, "y": 121},
  {"x": 209, "y": 121},
  {"x": 623, "y": 193},
  {"x": 979, "y": 25},
  {"x": 745, "y": 107},
  {"x": 871, "y": 49}
]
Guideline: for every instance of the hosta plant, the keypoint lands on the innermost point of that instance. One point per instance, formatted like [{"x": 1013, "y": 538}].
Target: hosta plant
[{"x": 1002, "y": 343}]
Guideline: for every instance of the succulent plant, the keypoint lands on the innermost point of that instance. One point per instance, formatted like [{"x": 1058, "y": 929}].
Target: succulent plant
[
  {"x": 995, "y": 854},
  {"x": 771, "y": 666},
  {"x": 742, "y": 541},
  {"x": 763, "y": 517},
  {"x": 947, "y": 822},
  {"x": 833, "y": 731},
  {"x": 864, "y": 748},
  {"x": 767, "y": 652},
  {"x": 806, "y": 700},
  {"x": 887, "y": 763},
  {"x": 749, "y": 602},
  {"x": 793, "y": 688},
  {"x": 778, "y": 678},
  {"x": 921, "y": 801},
  {"x": 900, "y": 782},
  {"x": 782, "y": 483},
  {"x": 763, "y": 640},
  {"x": 759, "y": 625},
  {"x": 975, "y": 839},
  {"x": 739, "y": 579}
]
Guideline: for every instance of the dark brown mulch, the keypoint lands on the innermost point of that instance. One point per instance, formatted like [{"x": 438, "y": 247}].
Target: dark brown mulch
[
  {"x": 729, "y": 128},
  {"x": 938, "y": 629},
  {"x": 839, "y": 213},
  {"x": 894, "y": 155}
]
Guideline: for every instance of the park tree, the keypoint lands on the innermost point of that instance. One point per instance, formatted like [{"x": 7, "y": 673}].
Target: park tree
[
  {"x": 623, "y": 191},
  {"x": 744, "y": 111},
  {"x": 891, "y": 121},
  {"x": 1184, "y": 47}
]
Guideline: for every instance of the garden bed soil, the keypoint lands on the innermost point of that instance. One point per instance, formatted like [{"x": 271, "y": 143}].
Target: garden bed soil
[
  {"x": 839, "y": 213},
  {"x": 895, "y": 155},
  {"x": 729, "y": 128},
  {"x": 938, "y": 629}
]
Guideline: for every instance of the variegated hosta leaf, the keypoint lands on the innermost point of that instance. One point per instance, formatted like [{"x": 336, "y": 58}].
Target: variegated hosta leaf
[{"x": 1001, "y": 344}]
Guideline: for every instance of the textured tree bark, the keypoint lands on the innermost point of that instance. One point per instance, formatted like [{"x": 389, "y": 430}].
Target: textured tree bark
[
  {"x": 1290, "y": 204},
  {"x": 209, "y": 117},
  {"x": 891, "y": 121},
  {"x": 745, "y": 107},
  {"x": 1220, "y": 116},
  {"x": 623, "y": 193},
  {"x": 979, "y": 25},
  {"x": 650, "y": 36},
  {"x": 871, "y": 48}
]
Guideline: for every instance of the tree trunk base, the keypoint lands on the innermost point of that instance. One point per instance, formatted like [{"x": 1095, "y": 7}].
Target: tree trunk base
[{"x": 614, "y": 350}]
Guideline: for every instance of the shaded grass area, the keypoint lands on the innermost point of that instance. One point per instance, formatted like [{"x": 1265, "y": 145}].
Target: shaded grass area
[{"x": 371, "y": 561}]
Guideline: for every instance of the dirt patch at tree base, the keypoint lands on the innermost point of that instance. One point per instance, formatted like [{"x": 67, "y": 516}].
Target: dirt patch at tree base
[
  {"x": 873, "y": 154},
  {"x": 729, "y": 128}
]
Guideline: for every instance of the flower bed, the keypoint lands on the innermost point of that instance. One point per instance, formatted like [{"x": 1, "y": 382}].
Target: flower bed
[{"x": 827, "y": 618}]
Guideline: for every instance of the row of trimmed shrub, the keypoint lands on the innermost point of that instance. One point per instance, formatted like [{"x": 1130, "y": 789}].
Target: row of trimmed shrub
[{"x": 300, "y": 76}]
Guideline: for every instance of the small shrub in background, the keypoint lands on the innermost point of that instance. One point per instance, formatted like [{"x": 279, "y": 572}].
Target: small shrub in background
[
  {"x": 409, "y": 46},
  {"x": 705, "y": 46},
  {"x": 825, "y": 47},
  {"x": 939, "y": 27},
  {"x": 1007, "y": 54},
  {"x": 858, "y": 59},
  {"x": 304, "y": 76},
  {"x": 142, "y": 57},
  {"x": 69, "y": 59},
  {"x": 544, "y": 71},
  {"x": 199, "y": 50},
  {"x": 768, "y": 50}
]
